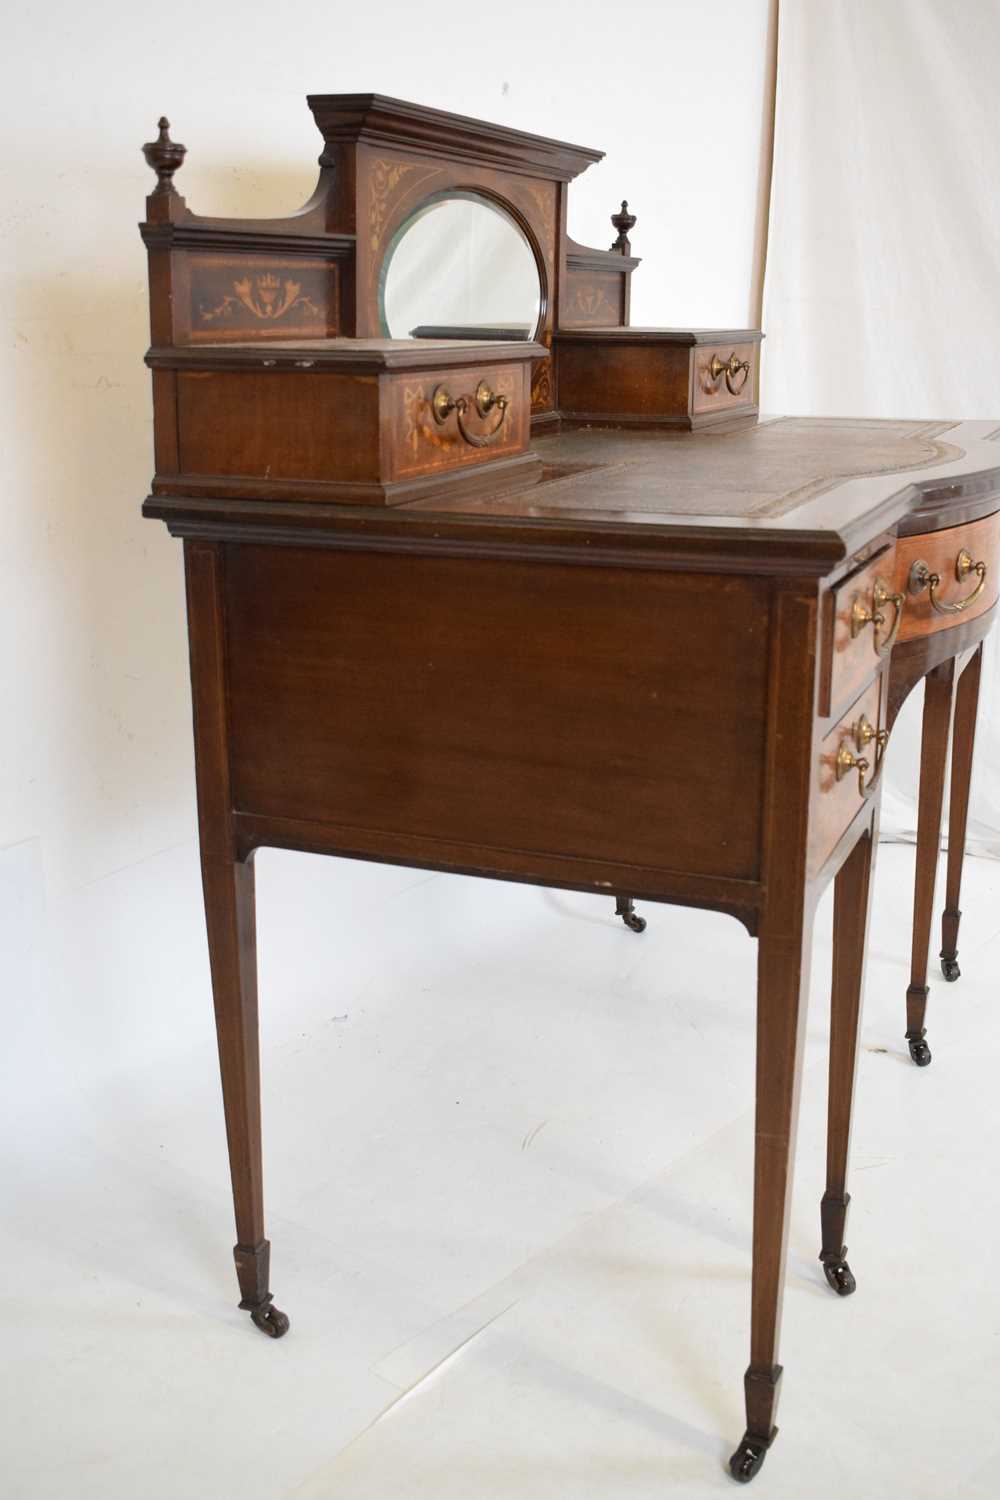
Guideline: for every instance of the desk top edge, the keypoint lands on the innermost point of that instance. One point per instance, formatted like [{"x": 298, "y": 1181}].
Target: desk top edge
[{"x": 812, "y": 538}]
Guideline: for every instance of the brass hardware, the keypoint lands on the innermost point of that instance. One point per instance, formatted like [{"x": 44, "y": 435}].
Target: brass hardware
[
  {"x": 862, "y": 733},
  {"x": 861, "y": 616},
  {"x": 730, "y": 367},
  {"x": 441, "y": 404},
  {"x": 922, "y": 578},
  {"x": 485, "y": 400}
]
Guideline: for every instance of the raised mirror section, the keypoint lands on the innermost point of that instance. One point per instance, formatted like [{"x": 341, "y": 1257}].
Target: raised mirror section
[{"x": 460, "y": 268}]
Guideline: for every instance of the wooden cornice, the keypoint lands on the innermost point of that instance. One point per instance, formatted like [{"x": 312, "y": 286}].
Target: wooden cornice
[
  {"x": 378, "y": 120},
  {"x": 246, "y": 236}
]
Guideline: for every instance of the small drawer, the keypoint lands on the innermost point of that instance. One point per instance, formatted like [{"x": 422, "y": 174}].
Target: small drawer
[
  {"x": 656, "y": 377},
  {"x": 723, "y": 376},
  {"x": 867, "y": 614},
  {"x": 455, "y": 418},
  {"x": 843, "y": 786},
  {"x": 350, "y": 421},
  {"x": 948, "y": 577}
]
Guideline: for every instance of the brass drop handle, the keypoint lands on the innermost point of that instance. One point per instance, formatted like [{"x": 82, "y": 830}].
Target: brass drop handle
[
  {"x": 922, "y": 578},
  {"x": 862, "y": 733},
  {"x": 730, "y": 367},
  {"x": 485, "y": 400},
  {"x": 862, "y": 616}
]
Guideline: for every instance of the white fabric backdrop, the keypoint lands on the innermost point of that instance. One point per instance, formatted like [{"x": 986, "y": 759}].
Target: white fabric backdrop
[{"x": 882, "y": 293}]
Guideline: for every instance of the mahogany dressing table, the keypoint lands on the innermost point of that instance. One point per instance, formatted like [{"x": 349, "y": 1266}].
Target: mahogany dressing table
[{"x": 417, "y": 570}]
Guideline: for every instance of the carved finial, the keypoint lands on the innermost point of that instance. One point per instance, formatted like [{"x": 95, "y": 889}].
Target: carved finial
[
  {"x": 623, "y": 222},
  {"x": 164, "y": 156}
]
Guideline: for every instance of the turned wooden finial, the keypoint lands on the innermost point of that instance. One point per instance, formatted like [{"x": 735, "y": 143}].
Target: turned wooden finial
[
  {"x": 623, "y": 222},
  {"x": 164, "y": 156}
]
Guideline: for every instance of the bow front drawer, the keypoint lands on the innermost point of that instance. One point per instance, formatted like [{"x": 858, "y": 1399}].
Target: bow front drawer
[{"x": 948, "y": 577}]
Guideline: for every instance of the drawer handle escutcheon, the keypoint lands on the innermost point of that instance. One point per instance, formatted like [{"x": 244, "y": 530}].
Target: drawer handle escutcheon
[
  {"x": 922, "y": 578},
  {"x": 730, "y": 367},
  {"x": 862, "y": 733},
  {"x": 861, "y": 616},
  {"x": 485, "y": 401}
]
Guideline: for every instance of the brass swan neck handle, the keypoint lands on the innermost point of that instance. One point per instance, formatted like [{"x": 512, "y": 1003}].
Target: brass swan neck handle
[
  {"x": 863, "y": 732},
  {"x": 922, "y": 578},
  {"x": 484, "y": 400},
  {"x": 731, "y": 368}
]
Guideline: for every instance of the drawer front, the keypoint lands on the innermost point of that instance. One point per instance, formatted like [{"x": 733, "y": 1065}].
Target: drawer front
[
  {"x": 948, "y": 576},
  {"x": 714, "y": 385},
  {"x": 421, "y": 444},
  {"x": 867, "y": 615},
  {"x": 837, "y": 795}
]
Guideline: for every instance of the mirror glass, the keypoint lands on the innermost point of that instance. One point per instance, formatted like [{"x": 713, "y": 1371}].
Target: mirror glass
[{"x": 460, "y": 268}]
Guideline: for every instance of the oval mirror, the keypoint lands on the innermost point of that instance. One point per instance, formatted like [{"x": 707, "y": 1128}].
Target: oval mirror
[{"x": 460, "y": 268}]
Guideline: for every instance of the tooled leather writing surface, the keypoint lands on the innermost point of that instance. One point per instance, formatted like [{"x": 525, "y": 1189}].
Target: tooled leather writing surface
[{"x": 765, "y": 471}]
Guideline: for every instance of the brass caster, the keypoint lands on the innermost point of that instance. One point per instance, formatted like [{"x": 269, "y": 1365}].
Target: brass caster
[
  {"x": 840, "y": 1276},
  {"x": 270, "y": 1320},
  {"x": 919, "y": 1050},
  {"x": 950, "y": 969},
  {"x": 625, "y": 908},
  {"x": 748, "y": 1460}
]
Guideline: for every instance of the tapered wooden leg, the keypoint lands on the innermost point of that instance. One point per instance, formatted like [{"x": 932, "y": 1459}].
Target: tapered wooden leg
[
  {"x": 963, "y": 741},
  {"x": 939, "y": 687},
  {"x": 232, "y": 946},
  {"x": 782, "y": 980},
  {"x": 784, "y": 947},
  {"x": 851, "y": 908}
]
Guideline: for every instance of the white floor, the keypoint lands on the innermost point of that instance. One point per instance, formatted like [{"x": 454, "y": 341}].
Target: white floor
[{"x": 508, "y": 1161}]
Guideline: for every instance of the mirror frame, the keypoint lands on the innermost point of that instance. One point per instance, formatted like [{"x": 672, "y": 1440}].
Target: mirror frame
[{"x": 499, "y": 205}]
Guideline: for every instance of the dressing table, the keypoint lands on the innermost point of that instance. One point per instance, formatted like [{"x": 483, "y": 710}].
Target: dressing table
[{"x": 418, "y": 570}]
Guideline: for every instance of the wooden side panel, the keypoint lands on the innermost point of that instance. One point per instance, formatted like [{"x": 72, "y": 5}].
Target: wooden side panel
[
  {"x": 500, "y": 705},
  {"x": 247, "y": 298},
  {"x": 165, "y": 439},
  {"x": 644, "y": 380},
  {"x": 278, "y": 425},
  {"x": 417, "y": 444},
  {"x": 595, "y": 299}
]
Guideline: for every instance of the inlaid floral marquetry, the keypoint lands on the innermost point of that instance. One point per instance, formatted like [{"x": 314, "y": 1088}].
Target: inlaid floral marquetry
[
  {"x": 266, "y": 297},
  {"x": 260, "y": 297},
  {"x": 541, "y": 386},
  {"x": 385, "y": 179},
  {"x": 425, "y": 445},
  {"x": 590, "y": 302}
]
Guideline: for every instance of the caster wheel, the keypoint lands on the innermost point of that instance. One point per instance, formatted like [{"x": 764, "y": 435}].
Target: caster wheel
[
  {"x": 625, "y": 908},
  {"x": 950, "y": 969},
  {"x": 748, "y": 1460},
  {"x": 270, "y": 1320},
  {"x": 920, "y": 1052},
  {"x": 840, "y": 1276}
]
